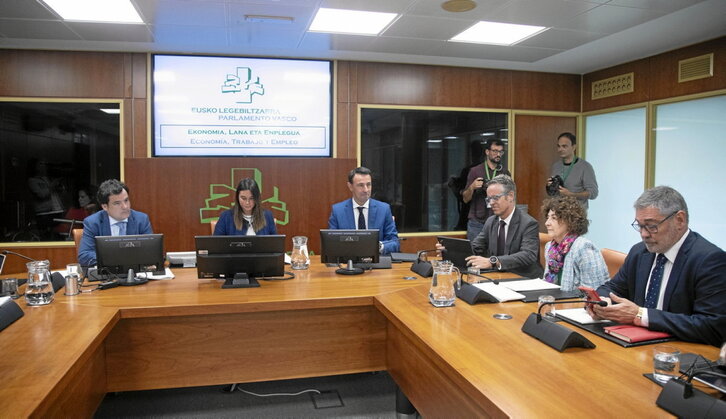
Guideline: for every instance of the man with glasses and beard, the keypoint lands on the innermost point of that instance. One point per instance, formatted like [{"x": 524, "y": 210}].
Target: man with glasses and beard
[
  {"x": 509, "y": 240},
  {"x": 674, "y": 281},
  {"x": 475, "y": 194}
]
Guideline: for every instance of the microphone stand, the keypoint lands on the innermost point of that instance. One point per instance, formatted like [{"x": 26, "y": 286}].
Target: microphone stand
[
  {"x": 556, "y": 335},
  {"x": 681, "y": 399}
]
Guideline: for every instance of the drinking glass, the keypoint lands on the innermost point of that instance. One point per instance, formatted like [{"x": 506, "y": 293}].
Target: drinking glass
[{"x": 666, "y": 363}]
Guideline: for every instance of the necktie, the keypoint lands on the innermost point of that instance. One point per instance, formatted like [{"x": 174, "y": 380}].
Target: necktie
[
  {"x": 122, "y": 228},
  {"x": 651, "y": 297},
  {"x": 500, "y": 238},
  {"x": 361, "y": 219}
]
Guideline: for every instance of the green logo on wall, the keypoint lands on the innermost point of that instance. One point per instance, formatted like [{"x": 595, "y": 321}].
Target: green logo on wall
[
  {"x": 241, "y": 85},
  {"x": 221, "y": 198}
]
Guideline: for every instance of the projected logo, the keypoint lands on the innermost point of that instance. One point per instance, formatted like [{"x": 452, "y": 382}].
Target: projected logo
[
  {"x": 241, "y": 85},
  {"x": 222, "y": 197}
]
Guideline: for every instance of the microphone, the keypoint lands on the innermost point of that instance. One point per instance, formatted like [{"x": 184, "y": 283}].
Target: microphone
[
  {"x": 423, "y": 252},
  {"x": 496, "y": 282},
  {"x": 539, "y": 309},
  {"x": 8, "y": 252},
  {"x": 423, "y": 267},
  {"x": 688, "y": 387}
]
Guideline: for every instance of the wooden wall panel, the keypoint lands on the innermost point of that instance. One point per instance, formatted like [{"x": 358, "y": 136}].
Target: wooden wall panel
[
  {"x": 641, "y": 70},
  {"x": 58, "y": 256},
  {"x": 545, "y": 91},
  {"x": 173, "y": 190},
  {"x": 139, "y": 79},
  {"x": 664, "y": 71},
  {"x": 399, "y": 84},
  {"x": 472, "y": 87},
  {"x": 140, "y": 143},
  {"x": 656, "y": 77},
  {"x": 536, "y": 151},
  {"x": 62, "y": 74}
]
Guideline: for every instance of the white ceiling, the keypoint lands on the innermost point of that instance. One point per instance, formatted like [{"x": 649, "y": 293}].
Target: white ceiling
[{"x": 584, "y": 35}]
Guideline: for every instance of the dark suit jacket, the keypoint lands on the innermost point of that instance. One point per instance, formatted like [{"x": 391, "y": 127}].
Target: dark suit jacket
[
  {"x": 98, "y": 225},
  {"x": 379, "y": 217},
  {"x": 521, "y": 253},
  {"x": 694, "y": 303},
  {"x": 225, "y": 225}
]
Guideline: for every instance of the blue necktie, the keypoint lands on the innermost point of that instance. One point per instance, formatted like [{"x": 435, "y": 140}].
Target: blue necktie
[
  {"x": 656, "y": 277},
  {"x": 361, "y": 219},
  {"x": 122, "y": 228}
]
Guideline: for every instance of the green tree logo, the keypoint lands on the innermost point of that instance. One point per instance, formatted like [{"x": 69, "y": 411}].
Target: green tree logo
[
  {"x": 241, "y": 84},
  {"x": 221, "y": 197}
]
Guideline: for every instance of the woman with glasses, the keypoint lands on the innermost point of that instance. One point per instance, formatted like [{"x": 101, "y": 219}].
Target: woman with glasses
[
  {"x": 571, "y": 260},
  {"x": 246, "y": 218}
]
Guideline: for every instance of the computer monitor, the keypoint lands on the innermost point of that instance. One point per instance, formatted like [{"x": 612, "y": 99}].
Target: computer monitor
[
  {"x": 240, "y": 260},
  {"x": 349, "y": 246},
  {"x": 115, "y": 255}
]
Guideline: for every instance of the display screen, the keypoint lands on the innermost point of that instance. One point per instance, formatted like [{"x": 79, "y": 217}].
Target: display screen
[{"x": 231, "y": 106}]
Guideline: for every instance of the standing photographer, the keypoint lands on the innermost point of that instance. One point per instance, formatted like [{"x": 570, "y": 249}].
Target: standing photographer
[
  {"x": 475, "y": 192},
  {"x": 571, "y": 176}
]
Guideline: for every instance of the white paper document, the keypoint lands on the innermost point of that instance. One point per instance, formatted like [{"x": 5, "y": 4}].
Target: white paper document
[
  {"x": 499, "y": 292},
  {"x": 168, "y": 274},
  {"x": 579, "y": 315},
  {"x": 529, "y": 285}
]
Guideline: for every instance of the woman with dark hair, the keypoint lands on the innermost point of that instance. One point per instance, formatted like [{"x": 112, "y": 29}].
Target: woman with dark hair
[
  {"x": 246, "y": 217},
  {"x": 571, "y": 260}
]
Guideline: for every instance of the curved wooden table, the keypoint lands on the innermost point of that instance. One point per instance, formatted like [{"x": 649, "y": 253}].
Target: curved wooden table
[{"x": 60, "y": 359}]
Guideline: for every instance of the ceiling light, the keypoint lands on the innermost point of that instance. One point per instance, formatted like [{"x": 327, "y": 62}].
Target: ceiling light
[
  {"x": 112, "y": 11},
  {"x": 351, "y": 21},
  {"x": 486, "y": 134},
  {"x": 497, "y": 33},
  {"x": 450, "y": 138},
  {"x": 433, "y": 141}
]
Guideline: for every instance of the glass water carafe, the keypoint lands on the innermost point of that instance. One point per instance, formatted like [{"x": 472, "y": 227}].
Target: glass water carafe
[
  {"x": 300, "y": 259},
  {"x": 39, "y": 289}
]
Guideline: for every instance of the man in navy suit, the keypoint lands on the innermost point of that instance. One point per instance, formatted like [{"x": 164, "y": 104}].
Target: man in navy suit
[
  {"x": 362, "y": 212},
  {"x": 116, "y": 219},
  {"x": 675, "y": 280}
]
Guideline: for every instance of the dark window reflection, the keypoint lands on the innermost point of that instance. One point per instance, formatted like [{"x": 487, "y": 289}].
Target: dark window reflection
[
  {"x": 52, "y": 156},
  {"x": 420, "y": 160}
]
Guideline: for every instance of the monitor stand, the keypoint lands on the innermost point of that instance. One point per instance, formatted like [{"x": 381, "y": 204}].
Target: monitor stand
[
  {"x": 349, "y": 270},
  {"x": 240, "y": 280}
]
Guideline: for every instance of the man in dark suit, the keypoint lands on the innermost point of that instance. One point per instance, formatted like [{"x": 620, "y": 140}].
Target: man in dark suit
[
  {"x": 675, "y": 280},
  {"x": 509, "y": 240},
  {"x": 116, "y": 219},
  {"x": 362, "y": 212}
]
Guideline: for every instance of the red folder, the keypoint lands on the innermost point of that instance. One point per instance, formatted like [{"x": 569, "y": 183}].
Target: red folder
[{"x": 634, "y": 334}]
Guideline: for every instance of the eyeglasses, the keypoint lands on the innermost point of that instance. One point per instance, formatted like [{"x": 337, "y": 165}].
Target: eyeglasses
[
  {"x": 651, "y": 228},
  {"x": 245, "y": 199},
  {"x": 490, "y": 199},
  {"x": 500, "y": 152}
]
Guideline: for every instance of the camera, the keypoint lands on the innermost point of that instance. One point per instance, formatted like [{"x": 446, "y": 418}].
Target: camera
[{"x": 554, "y": 187}]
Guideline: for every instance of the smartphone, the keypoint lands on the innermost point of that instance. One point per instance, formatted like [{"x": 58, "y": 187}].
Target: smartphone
[{"x": 590, "y": 293}]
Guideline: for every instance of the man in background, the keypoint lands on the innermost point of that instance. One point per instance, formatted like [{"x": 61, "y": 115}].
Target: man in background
[
  {"x": 674, "y": 281},
  {"x": 116, "y": 219},
  {"x": 475, "y": 193},
  {"x": 509, "y": 240},
  {"x": 363, "y": 212},
  {"x": 576, "y": 176}
]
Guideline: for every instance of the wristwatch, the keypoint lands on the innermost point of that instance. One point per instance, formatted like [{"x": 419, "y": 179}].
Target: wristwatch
[
  {"x": 494, "y": 261},
  {"x": 639, "y": 317}
]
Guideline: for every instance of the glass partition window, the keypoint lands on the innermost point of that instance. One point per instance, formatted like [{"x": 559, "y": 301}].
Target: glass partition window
[
  {"x": 420, "y": 160},
  {"x": 52, "y": 156},
  {"x": 690, "y": 145},
  {"x": 616, "y": 150}
]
